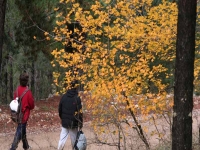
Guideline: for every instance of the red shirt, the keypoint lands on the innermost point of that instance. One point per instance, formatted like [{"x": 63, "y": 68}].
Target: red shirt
[{"x": 27, "y": 102}]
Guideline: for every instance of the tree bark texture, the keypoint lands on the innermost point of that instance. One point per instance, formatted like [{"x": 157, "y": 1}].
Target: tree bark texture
[
  {"x": 184, "y": 76},
  {"x": 2, "y": 20},
  {"x": 11, "y": 79}
]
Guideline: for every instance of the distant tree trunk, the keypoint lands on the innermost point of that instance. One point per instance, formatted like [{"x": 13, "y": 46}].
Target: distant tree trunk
[
  {"x": 6, "y": 83},
  {"x": 32, "y": 86},
  {"x": 184, "y": 75},
  {"x": 11, "y": 80},
  {"x": 2, "y": 20}
]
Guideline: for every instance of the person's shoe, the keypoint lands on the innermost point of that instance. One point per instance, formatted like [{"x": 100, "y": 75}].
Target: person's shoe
[{"x": 28, "y": 148}]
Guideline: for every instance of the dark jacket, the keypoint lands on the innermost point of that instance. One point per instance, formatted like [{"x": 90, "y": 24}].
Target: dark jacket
[{"x": 70, "y": 104}]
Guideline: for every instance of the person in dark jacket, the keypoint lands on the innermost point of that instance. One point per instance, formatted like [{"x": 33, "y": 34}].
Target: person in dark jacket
[
  {"x": 27, "y": 105},
  {"x": 70, "y": 113}
]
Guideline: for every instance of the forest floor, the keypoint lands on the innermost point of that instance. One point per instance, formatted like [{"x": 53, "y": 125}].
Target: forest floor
[
  {"x": 43, "y": 127},
  {"x": 44, "y": 117}
]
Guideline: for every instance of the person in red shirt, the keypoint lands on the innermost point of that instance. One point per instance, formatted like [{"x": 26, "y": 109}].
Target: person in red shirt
[{"x": 27, "y": 106}]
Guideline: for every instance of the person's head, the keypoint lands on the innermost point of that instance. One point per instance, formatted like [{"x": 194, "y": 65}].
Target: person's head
[
  {"x": 23, "y": 79},
  {"x": 74, "y": 84}
]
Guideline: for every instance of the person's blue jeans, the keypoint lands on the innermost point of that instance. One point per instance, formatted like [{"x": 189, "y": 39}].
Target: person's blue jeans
[{"x": 20, "y": 135}]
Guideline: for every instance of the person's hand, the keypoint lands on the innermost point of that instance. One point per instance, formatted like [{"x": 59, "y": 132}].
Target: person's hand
[{"x": 81, "y": 126}]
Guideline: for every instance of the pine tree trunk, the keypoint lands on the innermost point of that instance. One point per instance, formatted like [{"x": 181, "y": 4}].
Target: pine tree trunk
[
  {"x": 5, "y": 83},
  {"x": 32, "y": 86},
  {"x": 11, "y": 79},
  {"x": 2, "y": 20},
  {"x": 184, "y": 76}
]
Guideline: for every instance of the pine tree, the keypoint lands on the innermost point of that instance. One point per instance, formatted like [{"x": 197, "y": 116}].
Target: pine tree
[{"x": 184, "y": 76}]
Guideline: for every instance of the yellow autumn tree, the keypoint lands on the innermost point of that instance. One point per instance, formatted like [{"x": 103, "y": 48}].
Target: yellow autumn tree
[
  {"x": 197, "y": 54},
  {"x": 122, "y": 54}
]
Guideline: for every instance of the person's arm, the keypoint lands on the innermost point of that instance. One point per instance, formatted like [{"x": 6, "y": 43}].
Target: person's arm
[
  {"x": 79, "y": 105},
  {"x": 30, "y": 100}
]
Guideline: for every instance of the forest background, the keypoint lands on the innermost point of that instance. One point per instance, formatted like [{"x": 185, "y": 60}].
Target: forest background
[{"x": 122, "y": 52}]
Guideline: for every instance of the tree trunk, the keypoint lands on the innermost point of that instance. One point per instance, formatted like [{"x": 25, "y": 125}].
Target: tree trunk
[
  {"x": 6, "y": 83},
  {"x": 11, "y": 79},
  {"x": 32, "y": 86},
  {"x": 2, "y": 20},
  {"x": 184, "y": 75}
]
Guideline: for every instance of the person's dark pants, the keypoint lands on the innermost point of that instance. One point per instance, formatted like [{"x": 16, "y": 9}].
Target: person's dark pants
[{"x": 20, "y": 135}]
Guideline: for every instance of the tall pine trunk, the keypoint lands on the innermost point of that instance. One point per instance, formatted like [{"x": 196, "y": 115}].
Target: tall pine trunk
[
  {"x": 32, "y": 86},
  {"x": 184, "y": 76},
  {"x": 11, "y": 79},
  {"x": 2, "y": 20}
]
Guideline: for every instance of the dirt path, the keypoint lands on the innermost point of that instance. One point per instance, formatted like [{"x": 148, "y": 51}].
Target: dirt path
[
  {"x": 44, "y": 129},
  {"x": 49, "y": 140}
]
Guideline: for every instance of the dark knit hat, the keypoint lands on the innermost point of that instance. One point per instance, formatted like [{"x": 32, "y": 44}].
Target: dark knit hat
[{"x": 74, "y": 83}]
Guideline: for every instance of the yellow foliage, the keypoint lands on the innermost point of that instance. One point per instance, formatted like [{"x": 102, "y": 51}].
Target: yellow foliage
[{"x": 119, "y": 65}]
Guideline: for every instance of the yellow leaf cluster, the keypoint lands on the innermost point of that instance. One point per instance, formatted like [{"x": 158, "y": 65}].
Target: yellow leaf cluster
[{"x": 122, "y": 59}]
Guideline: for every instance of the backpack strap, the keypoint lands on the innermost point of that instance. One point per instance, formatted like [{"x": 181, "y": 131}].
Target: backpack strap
[
  {"x": 23, "y": 93},
  {"x": 20, "y": 98},
  {"x": 20, "y": 105}
]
